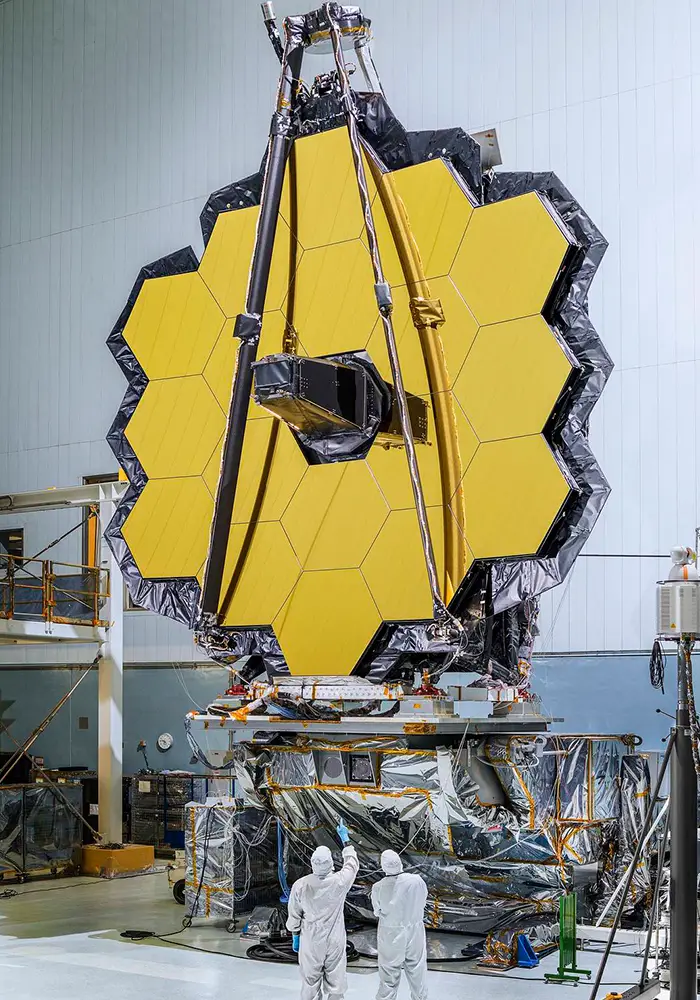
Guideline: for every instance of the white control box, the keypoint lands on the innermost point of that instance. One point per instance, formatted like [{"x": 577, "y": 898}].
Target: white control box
[{"x": 678, "y": 608}]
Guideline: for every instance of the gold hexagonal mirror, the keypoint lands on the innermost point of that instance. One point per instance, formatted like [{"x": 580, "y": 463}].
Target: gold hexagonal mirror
[{"x": 325, "y": 563}]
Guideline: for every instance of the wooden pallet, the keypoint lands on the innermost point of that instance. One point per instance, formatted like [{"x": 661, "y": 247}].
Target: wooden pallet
[{"x": 10, "y": 875}]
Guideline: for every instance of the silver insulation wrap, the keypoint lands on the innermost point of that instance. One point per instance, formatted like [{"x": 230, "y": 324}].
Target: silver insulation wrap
[
  {"x": 231, "y": 859},
  {"x": 499, "y": 828}
]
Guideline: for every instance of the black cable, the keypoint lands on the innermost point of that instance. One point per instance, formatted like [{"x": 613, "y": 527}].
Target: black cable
[
  {"x": 29, "y": 559},
  {"x": 187, "y": 921},
  {"x": 273, "y": 951},
  {"x": 281, "y": 953},
  {"x": 137, "y": 935},
  {"x": 263, "y": 952},
  {"x": 79, "y": 885},
  {"x": 92, "y": 512},
  {"x": 199, "y": 754},
  {"x": 657, "y": 666},
  {"x": 192, "y": 947},
  {"x": 279, "y": 950}
]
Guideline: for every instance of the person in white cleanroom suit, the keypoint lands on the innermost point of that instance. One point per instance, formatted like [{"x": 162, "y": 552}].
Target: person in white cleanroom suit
[
  {"x": 399, "y": 901},
  {"x": 316, "y": 920}
]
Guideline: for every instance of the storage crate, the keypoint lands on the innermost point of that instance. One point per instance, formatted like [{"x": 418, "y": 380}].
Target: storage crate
[{"x": 158, "y": 806}]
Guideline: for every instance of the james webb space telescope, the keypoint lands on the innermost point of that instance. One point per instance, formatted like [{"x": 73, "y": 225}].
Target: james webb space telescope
[{"x": 355, "y": 430}]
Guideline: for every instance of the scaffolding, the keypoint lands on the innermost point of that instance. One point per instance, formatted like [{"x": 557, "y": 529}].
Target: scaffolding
[{"x": 66, "y": 593}]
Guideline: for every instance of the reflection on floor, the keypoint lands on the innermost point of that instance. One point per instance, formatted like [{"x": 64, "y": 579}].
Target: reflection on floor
[{"x": 62, "y": 940}]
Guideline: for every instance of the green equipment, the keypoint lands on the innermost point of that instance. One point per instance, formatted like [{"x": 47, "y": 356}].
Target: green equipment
[{"x": 568, "y": 971}]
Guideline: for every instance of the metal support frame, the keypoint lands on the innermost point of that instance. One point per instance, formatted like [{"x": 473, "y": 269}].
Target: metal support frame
[
  {"x": 590, "y": 933},
  {"x": 632, "y": 869},
  {"x": 64, "y": 498},
  {"x": 105, "y": 496},
  {"x": 243, "y": 729},
  {"x": 647, "y": 992},
  {"x": 682, "y": 821},
  {"x": 653, "y": 916},
  {"x": 248, "y": 323},
  {"x": 58, "y": 792},
  {"x": 22, "y": 749},
  {"x": 16, "y": 631}
]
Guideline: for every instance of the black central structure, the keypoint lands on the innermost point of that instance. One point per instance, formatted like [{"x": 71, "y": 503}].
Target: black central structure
[{"x": 336, "y": 407}]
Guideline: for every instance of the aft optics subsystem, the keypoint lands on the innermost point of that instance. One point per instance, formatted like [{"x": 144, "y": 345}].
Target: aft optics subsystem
[{"x": 355, "y": 431}]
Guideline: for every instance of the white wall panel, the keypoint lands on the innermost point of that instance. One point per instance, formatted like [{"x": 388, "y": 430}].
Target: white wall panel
[{"x": 118, "y": 117}]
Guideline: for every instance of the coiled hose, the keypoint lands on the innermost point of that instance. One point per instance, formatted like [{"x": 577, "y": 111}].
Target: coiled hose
[{"x": 279, "y": 949}]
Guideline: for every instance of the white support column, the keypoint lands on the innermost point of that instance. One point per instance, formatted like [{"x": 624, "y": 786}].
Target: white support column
[{"x": 111, "y": 696}]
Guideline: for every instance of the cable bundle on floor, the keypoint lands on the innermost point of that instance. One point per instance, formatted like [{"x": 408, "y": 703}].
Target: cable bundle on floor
[{"x": 279, "y": 949}]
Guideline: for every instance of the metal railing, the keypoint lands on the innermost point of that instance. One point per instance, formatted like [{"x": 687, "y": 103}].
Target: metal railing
[{"x": 66, "y": 593}]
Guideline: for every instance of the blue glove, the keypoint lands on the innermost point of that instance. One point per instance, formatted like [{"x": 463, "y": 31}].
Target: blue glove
[
  {"x": 295, "y": 942},
  {"x": 342, "y": 832}
]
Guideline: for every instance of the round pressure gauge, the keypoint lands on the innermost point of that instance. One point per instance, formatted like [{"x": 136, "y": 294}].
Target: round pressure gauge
[{"x": 164, "y": 742}]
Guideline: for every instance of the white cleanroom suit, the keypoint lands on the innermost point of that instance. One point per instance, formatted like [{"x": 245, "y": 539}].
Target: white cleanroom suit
[
  {"x": 399, "y": 902},
  {"x": 316, "y": 905}
]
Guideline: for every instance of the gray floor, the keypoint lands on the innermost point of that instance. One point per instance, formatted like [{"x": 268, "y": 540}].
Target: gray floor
[{"x": 62, "y": 941}]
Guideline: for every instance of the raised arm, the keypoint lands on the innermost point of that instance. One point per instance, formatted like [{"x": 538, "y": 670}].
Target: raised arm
[{"x": 351, "y": 866}]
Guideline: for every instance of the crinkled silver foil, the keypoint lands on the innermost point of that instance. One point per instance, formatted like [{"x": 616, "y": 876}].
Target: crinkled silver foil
[{"x": 493, "y": 854}]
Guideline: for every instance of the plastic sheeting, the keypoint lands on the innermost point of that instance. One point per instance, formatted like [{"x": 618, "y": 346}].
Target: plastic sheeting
[
  {"x": 210, "y": 860},
  {"x": 73, "y": 598},
  {"x": 231, "y": 859},
  {"x": 566, "y": 790},
  {"x": 37, "y": 829},
  {"x": 496, "y": 830},
  {"x": 297, "y": 770},
  {"x": 635, "y": 794}
]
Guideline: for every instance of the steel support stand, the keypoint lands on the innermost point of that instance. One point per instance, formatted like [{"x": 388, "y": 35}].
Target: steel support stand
[
  {"x": 633, "y": 865},
  {"x": 654, "y": 915},
  {"x": 684, "y": 848}
]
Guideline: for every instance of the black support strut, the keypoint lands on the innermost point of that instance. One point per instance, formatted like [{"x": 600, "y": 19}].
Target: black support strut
[
  {"x": 684, "y": 844},
  {"x": 249, "y": 323}
]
